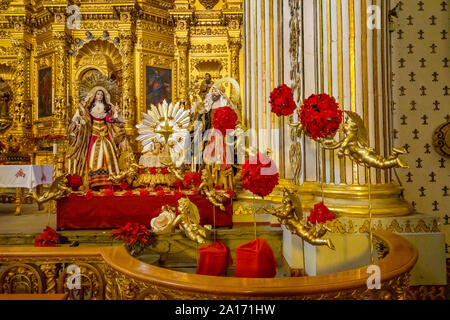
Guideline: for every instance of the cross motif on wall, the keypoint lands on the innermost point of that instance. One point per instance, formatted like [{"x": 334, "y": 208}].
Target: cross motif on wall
[
  {"x": 423, "y": 89},
  {"x": 402, "y": 90},
  {"x": 409, "y": 175},
  {"x": 427, "y": 148},
  {"x": 424, "y": 118},
  {"x": 445, "y": 90},
  {"x": 400, "y": 33},
  {"x": 410, "y": 19},
  {"x": 436, "y": 105},
  {"x": 402, "y": 63},
  {"x": 445, "y": 61},
  {"x": 412, "y": 75},
  {"x": 433, "y": 48},
  {"x": 413, "y": 105},
  {"x": 447, "y": 118},
  {"x": 446, "y": 219},
  {"x": 406, "y": 146},
  {"x": 435, "y": 205},
  {"x": 445, "y": 189},
  {"x": 442, "y": 161},
  {"x": 421, "y": 32},
  {"x": 422, "y": 191},
  {"x": 435, "y": 75},
  {"x": 395, "y": 132},
  {"x": 432, "y": 175},
  {"x": 403, "y": 119},
  {"x": 415, "y": 132},
  {"x": 419, "y": 163},
  {"x": 420, "y": 4},
  {"x": 410, "y": 47},
  {"x": 444, "y": 34},
  {"x": 432, "y": 18},
  {"x": 444, "y": 5},
  {"x": 422, "y": 62}
]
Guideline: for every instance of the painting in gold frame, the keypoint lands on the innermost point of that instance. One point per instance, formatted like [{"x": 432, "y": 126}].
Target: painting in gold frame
[
  {"x": 45, "y": 92},
  {"x": 158, "y": 85}
]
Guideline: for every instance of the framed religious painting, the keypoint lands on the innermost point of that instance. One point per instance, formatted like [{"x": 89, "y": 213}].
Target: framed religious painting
[
  {"x": 45, "y": 93},
  {"x": 158, "y": 85}
]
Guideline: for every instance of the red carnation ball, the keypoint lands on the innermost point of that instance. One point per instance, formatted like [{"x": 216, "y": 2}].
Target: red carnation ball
[
  {"x": 224, "y": 119},
  {"x": 259, "y": 175},
  {"x": 193, "y": 178},
  {"x": 282, "y": 101},
  {"x": 320, "y": 116},
  {"x": 143, "y": 192},
  {"x": 108, "y": 192},
  {"x": 320, "y": 214},
  {"x": 74, "y": 181}
]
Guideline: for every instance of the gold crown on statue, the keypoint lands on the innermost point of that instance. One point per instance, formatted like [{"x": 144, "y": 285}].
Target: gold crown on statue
[{"x": 94, "y": 80}]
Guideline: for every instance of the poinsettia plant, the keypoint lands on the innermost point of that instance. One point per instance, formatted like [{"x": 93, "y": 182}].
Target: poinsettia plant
[
  {"x": 135, "y": 236},
  {"x": 48, "y": 238},
  {"x": 320, "y": 214}
]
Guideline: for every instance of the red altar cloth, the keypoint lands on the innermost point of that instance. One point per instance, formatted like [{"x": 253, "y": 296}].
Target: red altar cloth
[
  {"x": 101, "y": 212},
  {"x": 255, "y": 259}
]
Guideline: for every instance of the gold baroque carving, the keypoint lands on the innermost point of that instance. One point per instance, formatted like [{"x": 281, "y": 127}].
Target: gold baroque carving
[
  {"x": 209, "y": 4},
  {"x": 21, "y": 278},
  {"x": 92, "y": 283},
  {"x": 209, "y": 31},
  {"x": 209, "y": 48},
  {"x": 441, "y": 139}
]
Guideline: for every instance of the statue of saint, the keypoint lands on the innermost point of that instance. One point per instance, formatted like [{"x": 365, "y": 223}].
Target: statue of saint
[
  {"x": 205, "y": 86},
  {"x": 96, "y": 139},
  {"x": 5, "y": 99}
]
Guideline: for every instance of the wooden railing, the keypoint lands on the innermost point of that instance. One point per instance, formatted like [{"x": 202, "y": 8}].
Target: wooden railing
[{"x": 111, "y": 273}]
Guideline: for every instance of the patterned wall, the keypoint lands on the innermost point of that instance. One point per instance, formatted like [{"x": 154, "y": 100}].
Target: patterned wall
[{"x": 421, "y": 102}]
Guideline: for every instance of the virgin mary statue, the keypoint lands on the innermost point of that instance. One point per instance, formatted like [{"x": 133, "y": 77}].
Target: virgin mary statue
[{"x": 96, "y": 138}]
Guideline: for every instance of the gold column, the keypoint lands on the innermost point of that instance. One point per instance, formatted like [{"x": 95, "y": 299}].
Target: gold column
[
  {"x": 359, "y": 55},
  {"x": 21, "y": 99},
  {"x": 183, "y": 69},
  {"x": 128, "y": 89},
  {"x": 59, "y": 112}
]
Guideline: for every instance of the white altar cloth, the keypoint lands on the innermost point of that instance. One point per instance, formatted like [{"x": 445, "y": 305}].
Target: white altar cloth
[{"x": 25, "y": 176}]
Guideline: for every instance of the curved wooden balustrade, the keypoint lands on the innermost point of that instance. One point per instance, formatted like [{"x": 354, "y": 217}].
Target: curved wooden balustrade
[{"x": 111, "y": 273}]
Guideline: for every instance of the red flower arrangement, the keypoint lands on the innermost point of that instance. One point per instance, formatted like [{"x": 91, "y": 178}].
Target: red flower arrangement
[
  {"x": 48, "y": 238},
  {"x": 177, "y": 195},
  {"x": 89, "y": 194},
  {"x": 259, "y": 175},
  {"x": 108, "y": 192},
  {"x": 224, "y": 119},
  {"x": 164, "y": 170},
  {"x": 282, "y": 101},
  {"x": 143, "y": 192},
  {"x": 128, "y": 193},
  {"x": 124, "y": 185},
  {"x": 193, "y": 178},
  {"x": 152, "y": 170},
  {"x": 74, "y": 181},
  {"x": 178, "y": 184},
  {"x": 159, "y": 191},
  {"x": 320, "y": 116},
  {"x": 136, "y": 236},
  {"x": 320, "y": 214}
]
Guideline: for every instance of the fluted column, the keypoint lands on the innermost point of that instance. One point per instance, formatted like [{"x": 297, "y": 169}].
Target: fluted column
[
  {"x": 347, "y": 56},
  {"x": 183, "y": 69},
  {"x": 265, "y": 46}
]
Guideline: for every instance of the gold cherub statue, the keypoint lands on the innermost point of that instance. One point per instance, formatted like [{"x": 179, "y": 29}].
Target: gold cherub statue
[
  {"x": 207, "y": 188},
  {"x": 57, "y": 190},
  {"x": 189, "y": 221},
  {"x": 290, "y": 214},
  {"x": 356, "y": 145}
]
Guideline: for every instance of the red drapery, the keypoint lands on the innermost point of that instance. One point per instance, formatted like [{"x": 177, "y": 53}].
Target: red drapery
[
  {"x": 77, "y": 212},
  {"x": 255, "y": 259},
  {"x": 214, "y": 259}
]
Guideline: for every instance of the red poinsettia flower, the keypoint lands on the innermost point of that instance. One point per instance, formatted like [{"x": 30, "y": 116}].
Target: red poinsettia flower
[
  {"x": 143, "y": 192},
  {"x": 132, "y": 233},
  {"x": 48, "y": 238},
  {"x": 320, "y": 214},
  {"x": 89, "y": 194},
  {"x": 320, "y": 116},
  {"x": 224, "y": 119},
  {"x": 152, "y": 170},
  {"x": 74, "y": 181},
  {"x": 282, "y": 101},
  {"x": 259, "y": 175},
  {"x": 193, "y": 178}
]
